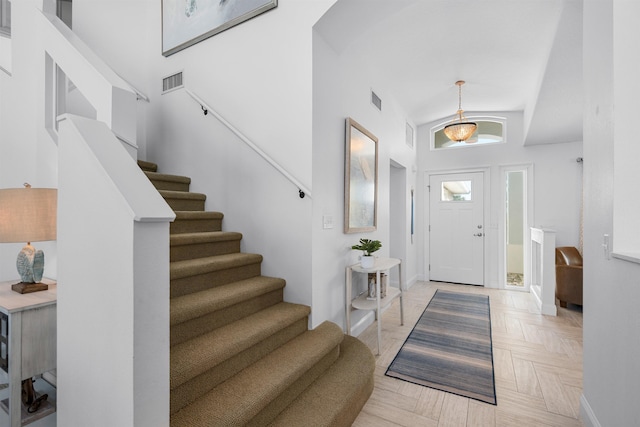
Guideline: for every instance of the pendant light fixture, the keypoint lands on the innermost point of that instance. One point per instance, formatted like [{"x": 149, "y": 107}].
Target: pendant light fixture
[{"x": 459, "y": 129}]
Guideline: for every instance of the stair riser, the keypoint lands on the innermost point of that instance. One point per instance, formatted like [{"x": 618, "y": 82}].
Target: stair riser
[
  {"x": 198, "y": 386},
  {"x": 169, "y": 185},
  {"x": 187, "y": 285},
  {"x": 185, "y": 204},
  {"x": 293, "y": 391},
  {"x": 193, "y": 251},
  {"x": 187, "y": 330},
  {"x": 195, "y": 225},
  {"x": 345, "y": 387}
]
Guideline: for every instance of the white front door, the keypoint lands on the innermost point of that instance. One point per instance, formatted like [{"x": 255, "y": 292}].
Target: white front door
[{"x": 456, "y": 239}]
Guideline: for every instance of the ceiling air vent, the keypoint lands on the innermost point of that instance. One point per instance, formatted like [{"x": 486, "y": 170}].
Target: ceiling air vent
[
  {"x": 172, "y": 82},
  {"x": 376, "y": 101}
]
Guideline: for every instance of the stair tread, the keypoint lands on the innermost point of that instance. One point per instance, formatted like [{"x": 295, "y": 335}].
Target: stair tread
[
  {"x": 147, "y": 166},
  {"x": 191, "y": 306},
  {"x": 156, "y": 176},
  {"x": 204, "y": 237},
  {"x": 189, "y": 215},
  {"x": 242, "y": 397},
  {"x": 185, "y": 195},
  {"x": 192, "y": 267},
  {"x": 206, "y": 351},
  {"x": 336, "y": 397}
]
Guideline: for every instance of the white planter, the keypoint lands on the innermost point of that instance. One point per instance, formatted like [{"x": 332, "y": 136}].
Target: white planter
[{"x": 367, "y": 261}]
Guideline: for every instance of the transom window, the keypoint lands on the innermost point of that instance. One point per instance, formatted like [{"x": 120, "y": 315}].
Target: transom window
[{"x": 491, "y": 130}]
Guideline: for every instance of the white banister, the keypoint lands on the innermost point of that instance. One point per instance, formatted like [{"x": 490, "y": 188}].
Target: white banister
[
  {"x": 113, "y": 284},
  {"x": 543, "y": 269},
  {"x": 303, "y": 191},
  {"x": 113, "y": 98}
]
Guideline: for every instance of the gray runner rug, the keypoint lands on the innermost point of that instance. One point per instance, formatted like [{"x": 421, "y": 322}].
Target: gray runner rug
[{"x": 449, "y": 349}]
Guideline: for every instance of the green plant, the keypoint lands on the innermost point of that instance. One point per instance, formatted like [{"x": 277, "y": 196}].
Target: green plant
[{"x": 368, "y": 246}]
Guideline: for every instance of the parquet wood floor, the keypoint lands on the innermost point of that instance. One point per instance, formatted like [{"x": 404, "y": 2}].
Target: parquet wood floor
[{"x": 537, "y": 364}]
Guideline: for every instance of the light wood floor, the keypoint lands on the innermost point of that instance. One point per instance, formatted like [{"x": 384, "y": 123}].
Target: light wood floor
[{"x": 537, "y": 364}]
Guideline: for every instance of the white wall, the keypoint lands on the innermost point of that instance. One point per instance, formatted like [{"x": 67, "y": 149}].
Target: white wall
[
  {"x": 258, "y": 76},
  {"x": 557, "y": 185},
  {"x": 27, "y": 154},
  {"x": 611, "y": 383},
  {"x": 341, "y": 90}
]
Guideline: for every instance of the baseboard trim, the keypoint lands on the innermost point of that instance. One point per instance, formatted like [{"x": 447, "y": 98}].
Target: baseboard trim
[
  {"x": 363, "y": 323},
  {"x": 586, "y": 413}
]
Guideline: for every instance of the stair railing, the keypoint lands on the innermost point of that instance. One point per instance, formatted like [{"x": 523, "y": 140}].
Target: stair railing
[
  {"x": 206, "y": 109},
  {"x": 111, "y": 96}
]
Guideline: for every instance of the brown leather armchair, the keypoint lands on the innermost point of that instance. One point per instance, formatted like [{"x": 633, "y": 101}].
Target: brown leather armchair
[{"x": 568, "y": 275}]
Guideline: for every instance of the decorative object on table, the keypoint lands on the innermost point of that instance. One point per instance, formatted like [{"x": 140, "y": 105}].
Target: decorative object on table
[
  {"x": 187, "y": 22},
  {"x": 368, "y": 247},
  {"x": 460, "y": 130},
  {"x": 450, "y": 347},
  {"x": 360, "y": 179},
  {"x": 371, "y": 278},
  {"x": 28, "y": 215}
]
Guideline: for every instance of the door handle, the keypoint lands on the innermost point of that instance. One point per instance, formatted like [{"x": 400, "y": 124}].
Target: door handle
[{"x": 478, "y": 235}]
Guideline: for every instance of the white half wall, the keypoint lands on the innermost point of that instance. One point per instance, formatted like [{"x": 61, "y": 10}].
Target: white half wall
[{"x": 113, "y": 286}]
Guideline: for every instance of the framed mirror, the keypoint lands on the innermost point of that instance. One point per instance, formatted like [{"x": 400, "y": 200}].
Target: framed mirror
[{"x": 360, "y": 179}]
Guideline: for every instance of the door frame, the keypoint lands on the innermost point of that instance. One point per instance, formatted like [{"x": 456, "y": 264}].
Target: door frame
[
  {"x": 398, "y": 213},
  {"x": 502, "y": 229},
  {"x": 489, "y": 230}
]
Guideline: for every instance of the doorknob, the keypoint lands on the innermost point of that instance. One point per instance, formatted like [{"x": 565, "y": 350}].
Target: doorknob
[{"x": 478, "y": 235}]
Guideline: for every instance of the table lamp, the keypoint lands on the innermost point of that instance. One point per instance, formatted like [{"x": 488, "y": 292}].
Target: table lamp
[{"x": 28, "y": 215}]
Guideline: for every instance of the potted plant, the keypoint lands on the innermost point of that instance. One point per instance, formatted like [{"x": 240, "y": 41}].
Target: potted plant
[{"x": 368, "y": 247}]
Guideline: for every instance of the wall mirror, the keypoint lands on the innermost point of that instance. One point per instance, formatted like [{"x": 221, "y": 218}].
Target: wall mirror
[{"x": 360, "y": 179}]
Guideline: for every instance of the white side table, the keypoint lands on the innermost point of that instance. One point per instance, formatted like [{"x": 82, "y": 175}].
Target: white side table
[
  {"x": 29, "y": 336},
  {"x": 364, "y": 303}
]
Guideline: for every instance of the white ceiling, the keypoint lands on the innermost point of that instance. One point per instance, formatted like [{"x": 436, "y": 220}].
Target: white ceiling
[{"x": 515, "y": 55}]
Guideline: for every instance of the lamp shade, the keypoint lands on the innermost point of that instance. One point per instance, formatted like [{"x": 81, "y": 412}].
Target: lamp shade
[{"x": 28, "y": 214}]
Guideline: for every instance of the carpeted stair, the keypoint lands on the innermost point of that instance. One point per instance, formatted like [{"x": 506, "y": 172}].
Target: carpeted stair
[{"x": 240, "y": 355}]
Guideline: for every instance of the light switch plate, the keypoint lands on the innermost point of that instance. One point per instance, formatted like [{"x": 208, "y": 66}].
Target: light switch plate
[{"x": 327, "y": 221}]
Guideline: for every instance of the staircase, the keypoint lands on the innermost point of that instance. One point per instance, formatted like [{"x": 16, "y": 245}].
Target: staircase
[{"x": 240, "y": 355}]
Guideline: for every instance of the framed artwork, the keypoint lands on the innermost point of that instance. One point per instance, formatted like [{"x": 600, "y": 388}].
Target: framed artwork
[
  {"x": 187, "y": 22},
  {"x": 360, "y": 179}
]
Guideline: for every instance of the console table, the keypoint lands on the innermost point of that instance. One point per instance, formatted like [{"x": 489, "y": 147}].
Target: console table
[
  {"x": 27, "y": 345},
  {"x": 363, "y": 302}
]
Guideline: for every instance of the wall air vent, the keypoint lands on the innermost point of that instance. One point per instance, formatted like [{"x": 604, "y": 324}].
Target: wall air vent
[
  {"x": 172, "y": 82},
  {"x": 376, "y": 101}
]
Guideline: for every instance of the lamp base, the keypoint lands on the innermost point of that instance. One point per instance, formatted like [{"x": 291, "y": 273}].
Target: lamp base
[{"x": 26, "y": 288}]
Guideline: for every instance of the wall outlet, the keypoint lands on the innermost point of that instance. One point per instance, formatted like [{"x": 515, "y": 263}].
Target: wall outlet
[{"x": 327, "y": 221}]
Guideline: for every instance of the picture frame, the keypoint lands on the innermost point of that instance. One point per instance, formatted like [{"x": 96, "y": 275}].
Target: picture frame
[
  {"x": 360, "y": 179},
  {"x": 187, "y": 22}
]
